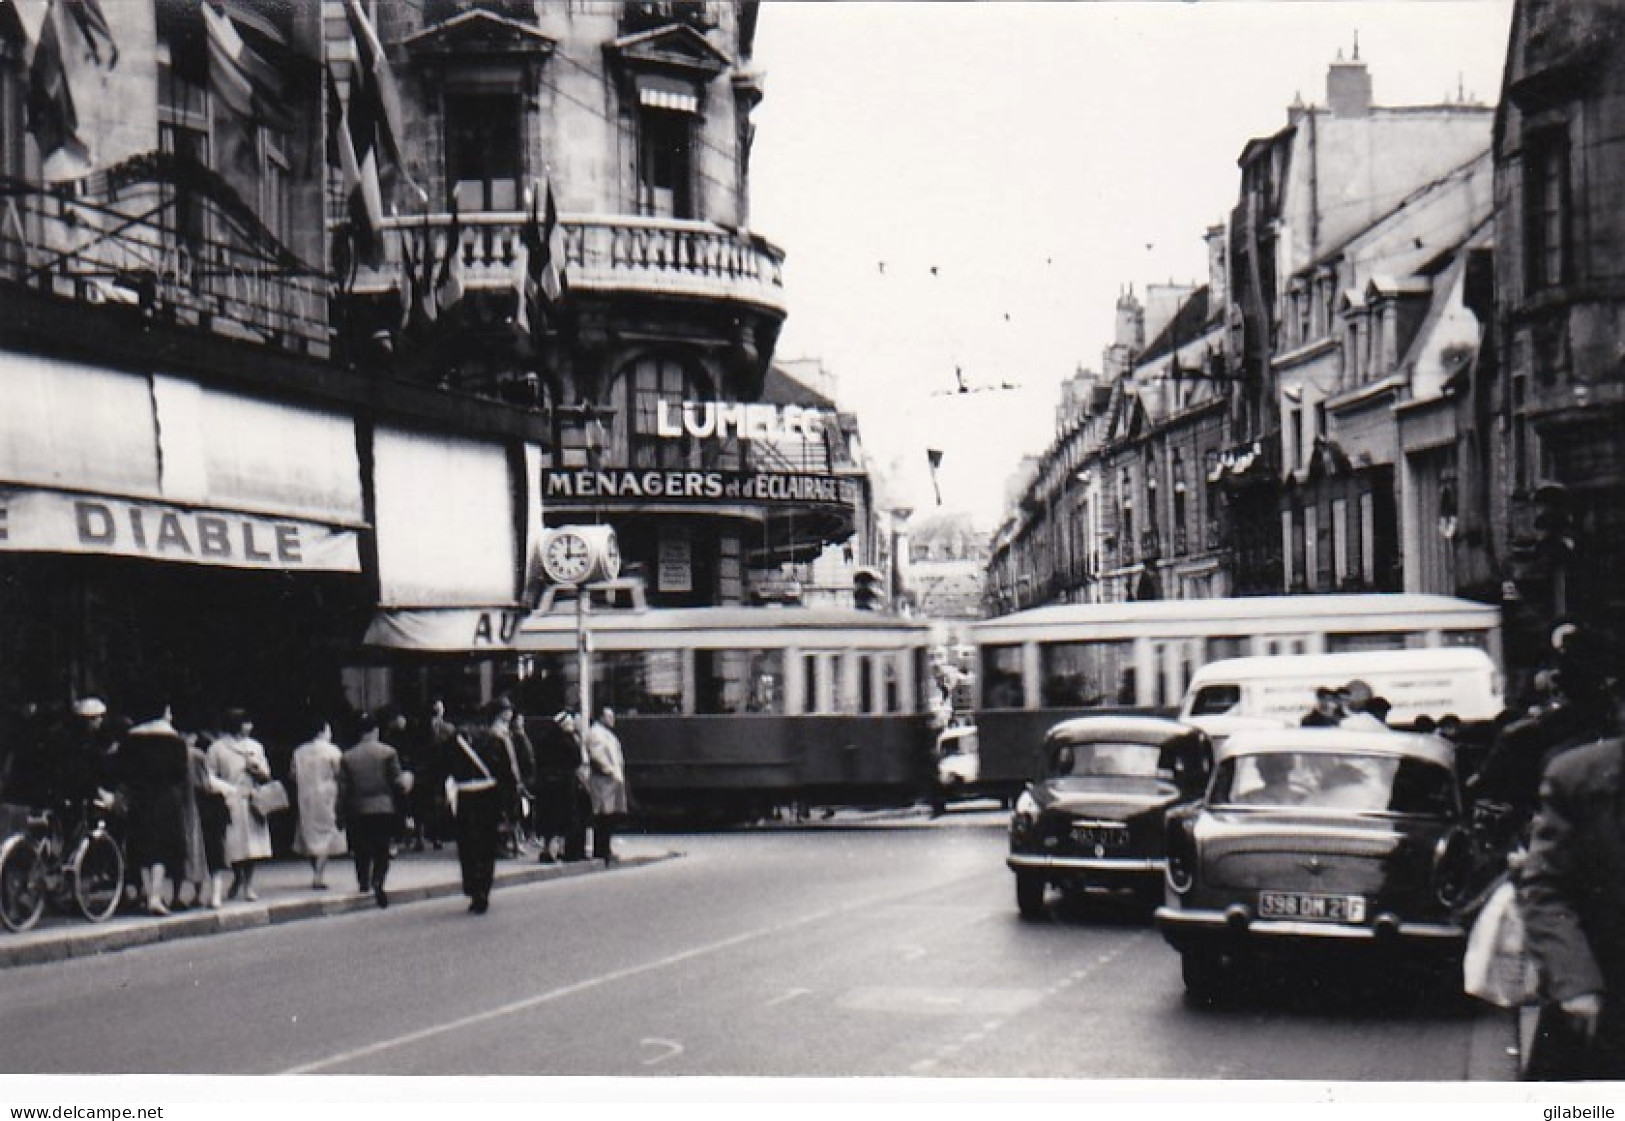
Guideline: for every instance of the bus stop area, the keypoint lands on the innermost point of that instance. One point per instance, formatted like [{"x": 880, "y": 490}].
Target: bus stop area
[{"x": 285, "y": 895}]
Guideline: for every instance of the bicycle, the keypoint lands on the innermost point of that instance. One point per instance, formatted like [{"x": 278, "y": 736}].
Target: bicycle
[{"x": 44, "y": 863}]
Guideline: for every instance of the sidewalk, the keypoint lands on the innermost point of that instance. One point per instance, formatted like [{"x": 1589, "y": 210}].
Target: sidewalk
[{"x": 285, "y": 895}]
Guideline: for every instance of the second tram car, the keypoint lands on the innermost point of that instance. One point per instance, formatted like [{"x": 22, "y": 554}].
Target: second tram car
[
  {"x": 735, "y": 713},
  {"x": 1047, "y": 664}
]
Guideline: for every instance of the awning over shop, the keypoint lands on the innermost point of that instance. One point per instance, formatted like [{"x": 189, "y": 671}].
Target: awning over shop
[
  {"x": 246, "y": 453},
  {"x": 125, "y": 463},
  {"x": 448, "y": 521},
  {"x": 446, "y": 630}
]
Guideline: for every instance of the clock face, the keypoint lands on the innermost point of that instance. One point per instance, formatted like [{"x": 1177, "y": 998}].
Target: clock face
[
  {"x": 612, "y": 556},
  {"x": 567, "y": 557}
]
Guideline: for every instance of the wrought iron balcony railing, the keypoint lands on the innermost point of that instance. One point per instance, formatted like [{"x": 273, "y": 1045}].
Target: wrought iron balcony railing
[
  {"x": 601, "y": 254},
  {"x": 170, "y": 239}
]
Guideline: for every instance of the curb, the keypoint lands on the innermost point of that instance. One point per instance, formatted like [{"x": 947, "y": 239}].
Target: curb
[{"x": 78, "y": 941}]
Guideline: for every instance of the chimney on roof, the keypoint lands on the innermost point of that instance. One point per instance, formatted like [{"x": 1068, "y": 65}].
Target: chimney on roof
[{"x": 1348, "y": 86}]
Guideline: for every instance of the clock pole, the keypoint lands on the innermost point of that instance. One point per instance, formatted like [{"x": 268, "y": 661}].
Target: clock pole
[{"x": 584, "y": 657}]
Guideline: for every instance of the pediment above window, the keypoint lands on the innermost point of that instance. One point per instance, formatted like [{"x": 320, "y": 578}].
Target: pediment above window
[
  {"x": 480, "y": 32},
  {"x": 675, "y": 50}
]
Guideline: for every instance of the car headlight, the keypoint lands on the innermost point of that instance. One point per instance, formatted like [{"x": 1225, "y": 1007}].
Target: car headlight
[{"x": 1026, "y": 811}]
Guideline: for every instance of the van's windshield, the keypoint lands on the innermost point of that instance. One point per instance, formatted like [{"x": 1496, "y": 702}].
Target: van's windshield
[{"x": 1215, "y": 700}]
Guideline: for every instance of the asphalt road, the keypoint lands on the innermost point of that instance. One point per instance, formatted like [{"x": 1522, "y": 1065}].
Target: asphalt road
[{"x": 852, "y": 952}]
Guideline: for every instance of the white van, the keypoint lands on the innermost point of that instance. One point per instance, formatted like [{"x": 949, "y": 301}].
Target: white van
[{"x": 1236, "y": 693}]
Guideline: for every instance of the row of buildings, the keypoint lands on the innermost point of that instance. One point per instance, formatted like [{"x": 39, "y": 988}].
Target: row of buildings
[
  {"x": 1404, "y": 372},
  {"x": 258, "y": 451}
]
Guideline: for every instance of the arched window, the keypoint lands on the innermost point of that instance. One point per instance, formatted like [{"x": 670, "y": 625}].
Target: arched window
[{"x": 650, "y": 386}]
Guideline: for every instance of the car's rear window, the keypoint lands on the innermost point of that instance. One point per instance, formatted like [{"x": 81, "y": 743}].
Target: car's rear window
[
  {"x": 1137, "y": 760},
  {"x": 1335, "y": 781}
]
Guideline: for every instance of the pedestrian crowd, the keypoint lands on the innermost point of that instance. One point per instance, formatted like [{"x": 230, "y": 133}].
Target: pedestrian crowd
[{"x": 193, "y": 804}]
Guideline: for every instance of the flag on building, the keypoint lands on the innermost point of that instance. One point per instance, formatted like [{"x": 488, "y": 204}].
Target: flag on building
[
  {"x": 240, "y": 77},
  {"x": 375, "y": 81},
  {"x": 934, "y": 457},
  {"x": 551, "y": 280},
  {"x": 73, "y": 34},
  {"x": 539, "y": 272},
  {"x": 369, "y": 133},
  {"x": 450, "y": 284}
]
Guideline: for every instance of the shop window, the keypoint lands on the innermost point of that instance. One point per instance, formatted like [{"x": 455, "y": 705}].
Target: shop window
[{"x": 483, "y": 144}]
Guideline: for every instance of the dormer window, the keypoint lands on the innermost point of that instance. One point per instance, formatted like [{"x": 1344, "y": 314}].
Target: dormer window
[
  {"x": 665, "y": 162},
  {"x": 664, "y": 73}
]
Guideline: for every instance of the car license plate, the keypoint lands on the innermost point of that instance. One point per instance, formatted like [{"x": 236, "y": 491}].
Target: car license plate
[
  {"x": 1105, "y": 836},
  {"x": 1316, "y": 908}
]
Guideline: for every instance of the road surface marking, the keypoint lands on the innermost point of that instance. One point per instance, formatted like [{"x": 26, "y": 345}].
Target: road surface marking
[
  {"x": 789, "y": 996},
  {"x": 672, "y": 1050},
  {"x": 601, "y": 980}
]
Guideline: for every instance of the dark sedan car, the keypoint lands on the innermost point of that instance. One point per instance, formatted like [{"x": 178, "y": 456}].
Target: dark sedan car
[
  {"x": 1315, "y": 837},
  {"x": 1092, "y": 816}
]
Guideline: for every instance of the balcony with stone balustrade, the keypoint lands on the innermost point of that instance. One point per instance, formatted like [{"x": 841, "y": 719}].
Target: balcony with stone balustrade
[{"x": 603, "y": 255}]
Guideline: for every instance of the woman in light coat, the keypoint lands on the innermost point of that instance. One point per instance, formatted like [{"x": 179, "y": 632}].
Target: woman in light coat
[
  {"x": 315, "y": 773},
  {"x": 239, "y": 759}
]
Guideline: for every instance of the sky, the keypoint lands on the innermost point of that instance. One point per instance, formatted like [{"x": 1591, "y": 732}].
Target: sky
[{"x": 970, "y": 186}]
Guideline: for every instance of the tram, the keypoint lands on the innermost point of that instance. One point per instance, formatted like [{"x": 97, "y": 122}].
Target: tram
[
  {"x": 737, "y": 713},
  {"x": 1047, "y": 664}
]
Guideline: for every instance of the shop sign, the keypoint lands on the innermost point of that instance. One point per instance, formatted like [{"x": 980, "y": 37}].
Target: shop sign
[
  {"x": 675, "y": 571},
  {"x": 34, "y": 521},
  {"x": 702, "y": 487},
  {"x": 724, "y": 419}
]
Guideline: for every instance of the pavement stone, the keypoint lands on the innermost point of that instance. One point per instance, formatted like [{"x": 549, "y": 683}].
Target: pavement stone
[{"x": 286, "y": 896}]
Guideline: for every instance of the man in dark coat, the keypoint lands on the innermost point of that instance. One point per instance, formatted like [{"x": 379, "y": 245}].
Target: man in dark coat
[
  {"x": 481, "y": 763},
  {"x": 372, "y": 783},
  {"x": 559, "y": 759},
  {"x": 1572, "y": 888}
]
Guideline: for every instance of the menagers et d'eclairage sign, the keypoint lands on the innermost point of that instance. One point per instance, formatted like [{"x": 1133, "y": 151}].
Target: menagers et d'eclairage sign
[{"x": 722, "y": 419}]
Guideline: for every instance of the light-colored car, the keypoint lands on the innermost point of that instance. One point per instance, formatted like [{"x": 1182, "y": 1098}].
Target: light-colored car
[{"x": 1316, "y": 837}]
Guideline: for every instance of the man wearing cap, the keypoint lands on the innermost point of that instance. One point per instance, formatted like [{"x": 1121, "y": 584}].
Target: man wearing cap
[
  {"x": 1328, "y": 711},
  {"x": 64, "y": 765}
]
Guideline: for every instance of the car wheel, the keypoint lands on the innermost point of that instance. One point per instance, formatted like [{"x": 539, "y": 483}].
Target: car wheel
[
  {"x": 1030, "y": 895},
  {"x": 1203, "y": 973}
]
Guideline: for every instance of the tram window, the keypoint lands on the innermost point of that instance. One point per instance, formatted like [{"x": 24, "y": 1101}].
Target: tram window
[
  {"x": 641, "y": 681},
  {"x": 1001, "y": 687},
  {"x": 1084, "y": 674},
  {"x": 1478, "y": 640},
  {"x": 1350, "y": 643},
  {"x": 729, "y": 681}
]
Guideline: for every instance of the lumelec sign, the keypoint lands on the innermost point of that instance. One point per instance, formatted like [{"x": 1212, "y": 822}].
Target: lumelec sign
[{"x": 722, "y": 419}]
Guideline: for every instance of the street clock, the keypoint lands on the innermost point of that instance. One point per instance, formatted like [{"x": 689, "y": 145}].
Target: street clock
[{"x": 580, "y": 554}]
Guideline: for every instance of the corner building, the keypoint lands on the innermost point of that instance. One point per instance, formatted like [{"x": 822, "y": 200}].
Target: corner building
[{"x": 652, "y": 368}]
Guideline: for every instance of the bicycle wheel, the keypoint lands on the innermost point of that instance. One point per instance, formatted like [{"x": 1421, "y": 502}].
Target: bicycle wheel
[
  {"x": 96, "y": 873},
  {"x": 22, "y": 887}
]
